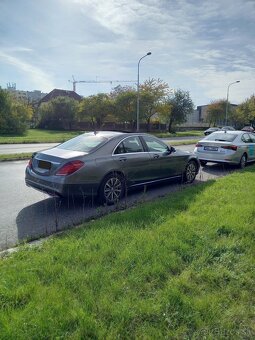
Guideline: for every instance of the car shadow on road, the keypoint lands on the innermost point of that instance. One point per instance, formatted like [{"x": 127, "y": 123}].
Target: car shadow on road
[
  {"x": 218, "y": 170},
  {"x": 52, "y": 215}
]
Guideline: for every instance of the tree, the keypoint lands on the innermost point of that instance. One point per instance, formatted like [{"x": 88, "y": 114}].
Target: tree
[
  {"x": 152, "y": 94},
  {"x": 245, "y": 112},
  {"x": 177, "y": 107},
  {"x": 125, "y": 106},
  {"x": 58, "y": 113},
  {"x": 14, "y": 114},
  {"x": 216, "y": 112},
  {"x": 95, "y": 109}
]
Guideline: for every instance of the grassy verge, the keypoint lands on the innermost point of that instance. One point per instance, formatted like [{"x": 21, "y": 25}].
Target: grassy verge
[
  {"x": 197, "y": 133},
  {"x": 39, "y": 136},
  {"x": 15, "y": 156},
  {"x": 52, "y": 136},
  {"x": 180, "y": 268}
]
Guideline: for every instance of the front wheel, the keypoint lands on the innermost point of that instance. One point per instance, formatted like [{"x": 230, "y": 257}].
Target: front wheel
[
  {"x": 190, "y": 172},
  {"x": 112, "y": 189},
  {"x": 203, "y": 163}
]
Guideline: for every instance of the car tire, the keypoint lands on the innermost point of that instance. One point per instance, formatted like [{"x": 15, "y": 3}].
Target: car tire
[
  {"x": 112, "y": 189},
  {"x": 190, "y": 172},
  {"x": 203, "y": 163},
  {"x": 243, "y": 161}
]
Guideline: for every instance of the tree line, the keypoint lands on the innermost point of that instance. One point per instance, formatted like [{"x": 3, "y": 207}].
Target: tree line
[
  {"x": 243, "y": 114},
  {"x": 157, "y": 104}
]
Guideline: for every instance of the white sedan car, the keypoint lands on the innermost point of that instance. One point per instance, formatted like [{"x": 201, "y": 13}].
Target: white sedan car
[{"x": 233, "y": 147}]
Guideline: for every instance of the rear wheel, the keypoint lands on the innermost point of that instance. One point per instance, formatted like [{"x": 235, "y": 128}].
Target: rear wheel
[
  {"x": 112, "y": 189},
  {"x": 190, "y": 172},
  {"x": 243, "y": 161}
]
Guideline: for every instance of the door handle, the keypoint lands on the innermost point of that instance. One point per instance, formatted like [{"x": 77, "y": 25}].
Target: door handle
[
  {"x": 122, "y": 159},
  {"x": 156, "y": 156}
]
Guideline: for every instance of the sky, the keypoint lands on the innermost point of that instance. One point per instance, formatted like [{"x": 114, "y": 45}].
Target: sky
[{"x": 200, "y": 46}]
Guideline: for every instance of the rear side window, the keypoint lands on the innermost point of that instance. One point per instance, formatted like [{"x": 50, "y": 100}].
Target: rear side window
[
  {"x": 221, "y": 137},
  {"x": 132, "y": 144}
]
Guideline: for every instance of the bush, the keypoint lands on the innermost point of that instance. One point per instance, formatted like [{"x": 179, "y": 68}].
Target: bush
[{"x": 14, "y": 114}]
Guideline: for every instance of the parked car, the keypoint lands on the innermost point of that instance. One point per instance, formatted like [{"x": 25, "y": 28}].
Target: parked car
[
  {"x": 233, "y": 147},
  {"x": 106, "y": 163},
  {"x": 248, "y": 128},
  {"x": 228, "y": 128},
  {"x": 211, "y": 130}
]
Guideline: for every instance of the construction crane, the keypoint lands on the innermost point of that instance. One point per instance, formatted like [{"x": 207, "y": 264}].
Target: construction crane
[{"x": 98, "y": 81}]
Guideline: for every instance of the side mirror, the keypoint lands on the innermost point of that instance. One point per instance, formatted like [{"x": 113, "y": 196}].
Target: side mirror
[{"x": 170, "y": 150}]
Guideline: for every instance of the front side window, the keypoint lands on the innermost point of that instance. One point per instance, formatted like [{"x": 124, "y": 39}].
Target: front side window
[
  {"x": 155, "y": 145},
  {"x": 246, "y": 138},
  {"x": 252, "y": 136}
]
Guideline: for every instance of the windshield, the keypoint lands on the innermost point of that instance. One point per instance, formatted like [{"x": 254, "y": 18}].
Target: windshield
[
  {"x": 83, "y": 143},
  {"x": 221, "y": 137}
]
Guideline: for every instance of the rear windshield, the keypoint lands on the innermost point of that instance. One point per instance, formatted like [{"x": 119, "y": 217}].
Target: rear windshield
[
  {"x": 83, "y": 143},
  {"x": 221, "y": 137}
]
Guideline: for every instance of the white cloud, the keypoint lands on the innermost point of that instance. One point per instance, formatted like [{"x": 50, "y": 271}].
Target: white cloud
[
  {"x": 34, "y": 74},
  {"x": 198, "y": 45}
]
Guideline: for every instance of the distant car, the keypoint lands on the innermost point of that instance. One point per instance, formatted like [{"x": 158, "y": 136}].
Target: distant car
[
  {"x": 105, "y": 163},
  {"x": 248, "y": 128},
  {"x": 211, "y": 130},
  {"x": 231, "y": 128},
  {"x": 233, "y": 147}
]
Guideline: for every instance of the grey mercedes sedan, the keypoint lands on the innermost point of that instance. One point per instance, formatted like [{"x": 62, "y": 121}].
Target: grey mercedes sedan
[{"x": 106, "y": 164}]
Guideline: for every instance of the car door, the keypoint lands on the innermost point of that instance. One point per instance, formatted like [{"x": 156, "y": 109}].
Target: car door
[
  {"x": 133, "y": 160},
  {"x": 164, "y": 163},
  {"x": 251, "y": 147}
]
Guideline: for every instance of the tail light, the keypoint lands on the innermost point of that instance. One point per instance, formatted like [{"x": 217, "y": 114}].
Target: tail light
[
  {"x": 230, "y": 147},
  {"x": 199, "y": 145},
  {"x": 69, "y": 168},
  {"x": 29, "y": 165}
]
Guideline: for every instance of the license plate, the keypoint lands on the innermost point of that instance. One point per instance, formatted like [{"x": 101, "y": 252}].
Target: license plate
[
  {"x": 211, "y": 148},
  {"x": 44, "y": 165}
]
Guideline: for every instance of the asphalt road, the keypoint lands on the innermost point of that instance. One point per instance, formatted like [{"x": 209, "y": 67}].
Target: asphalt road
[{"x": 22, "y": 148}]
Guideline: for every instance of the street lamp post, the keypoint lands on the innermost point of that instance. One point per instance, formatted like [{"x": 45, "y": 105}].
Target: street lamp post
[
  {"x": 138, "y": 94},
  {"x": 226, "y": 116}
]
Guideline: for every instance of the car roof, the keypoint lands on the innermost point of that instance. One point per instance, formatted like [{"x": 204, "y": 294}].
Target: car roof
[{"x": 235, "y": 132}]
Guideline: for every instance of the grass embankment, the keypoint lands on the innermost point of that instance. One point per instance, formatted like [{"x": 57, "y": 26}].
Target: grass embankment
[
  {"x": 181, "y": 267},
  {"x": 197, "y": 133},
  {"x": 52, "y": 136},
  {"x": 15, "y": 156},
  {"x": 39, "y": 136}
]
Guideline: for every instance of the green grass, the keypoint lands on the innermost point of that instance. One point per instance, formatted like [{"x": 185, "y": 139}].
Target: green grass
[
  {"x": 197, "y": 133},
  {"x": 39, "y": 136},
  {"x": 181, "y": 267},
  {"x": 15, "y": 156}
]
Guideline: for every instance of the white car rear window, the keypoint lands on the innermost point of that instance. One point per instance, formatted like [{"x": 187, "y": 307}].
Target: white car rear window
[{"x": 221, "y": 137}]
